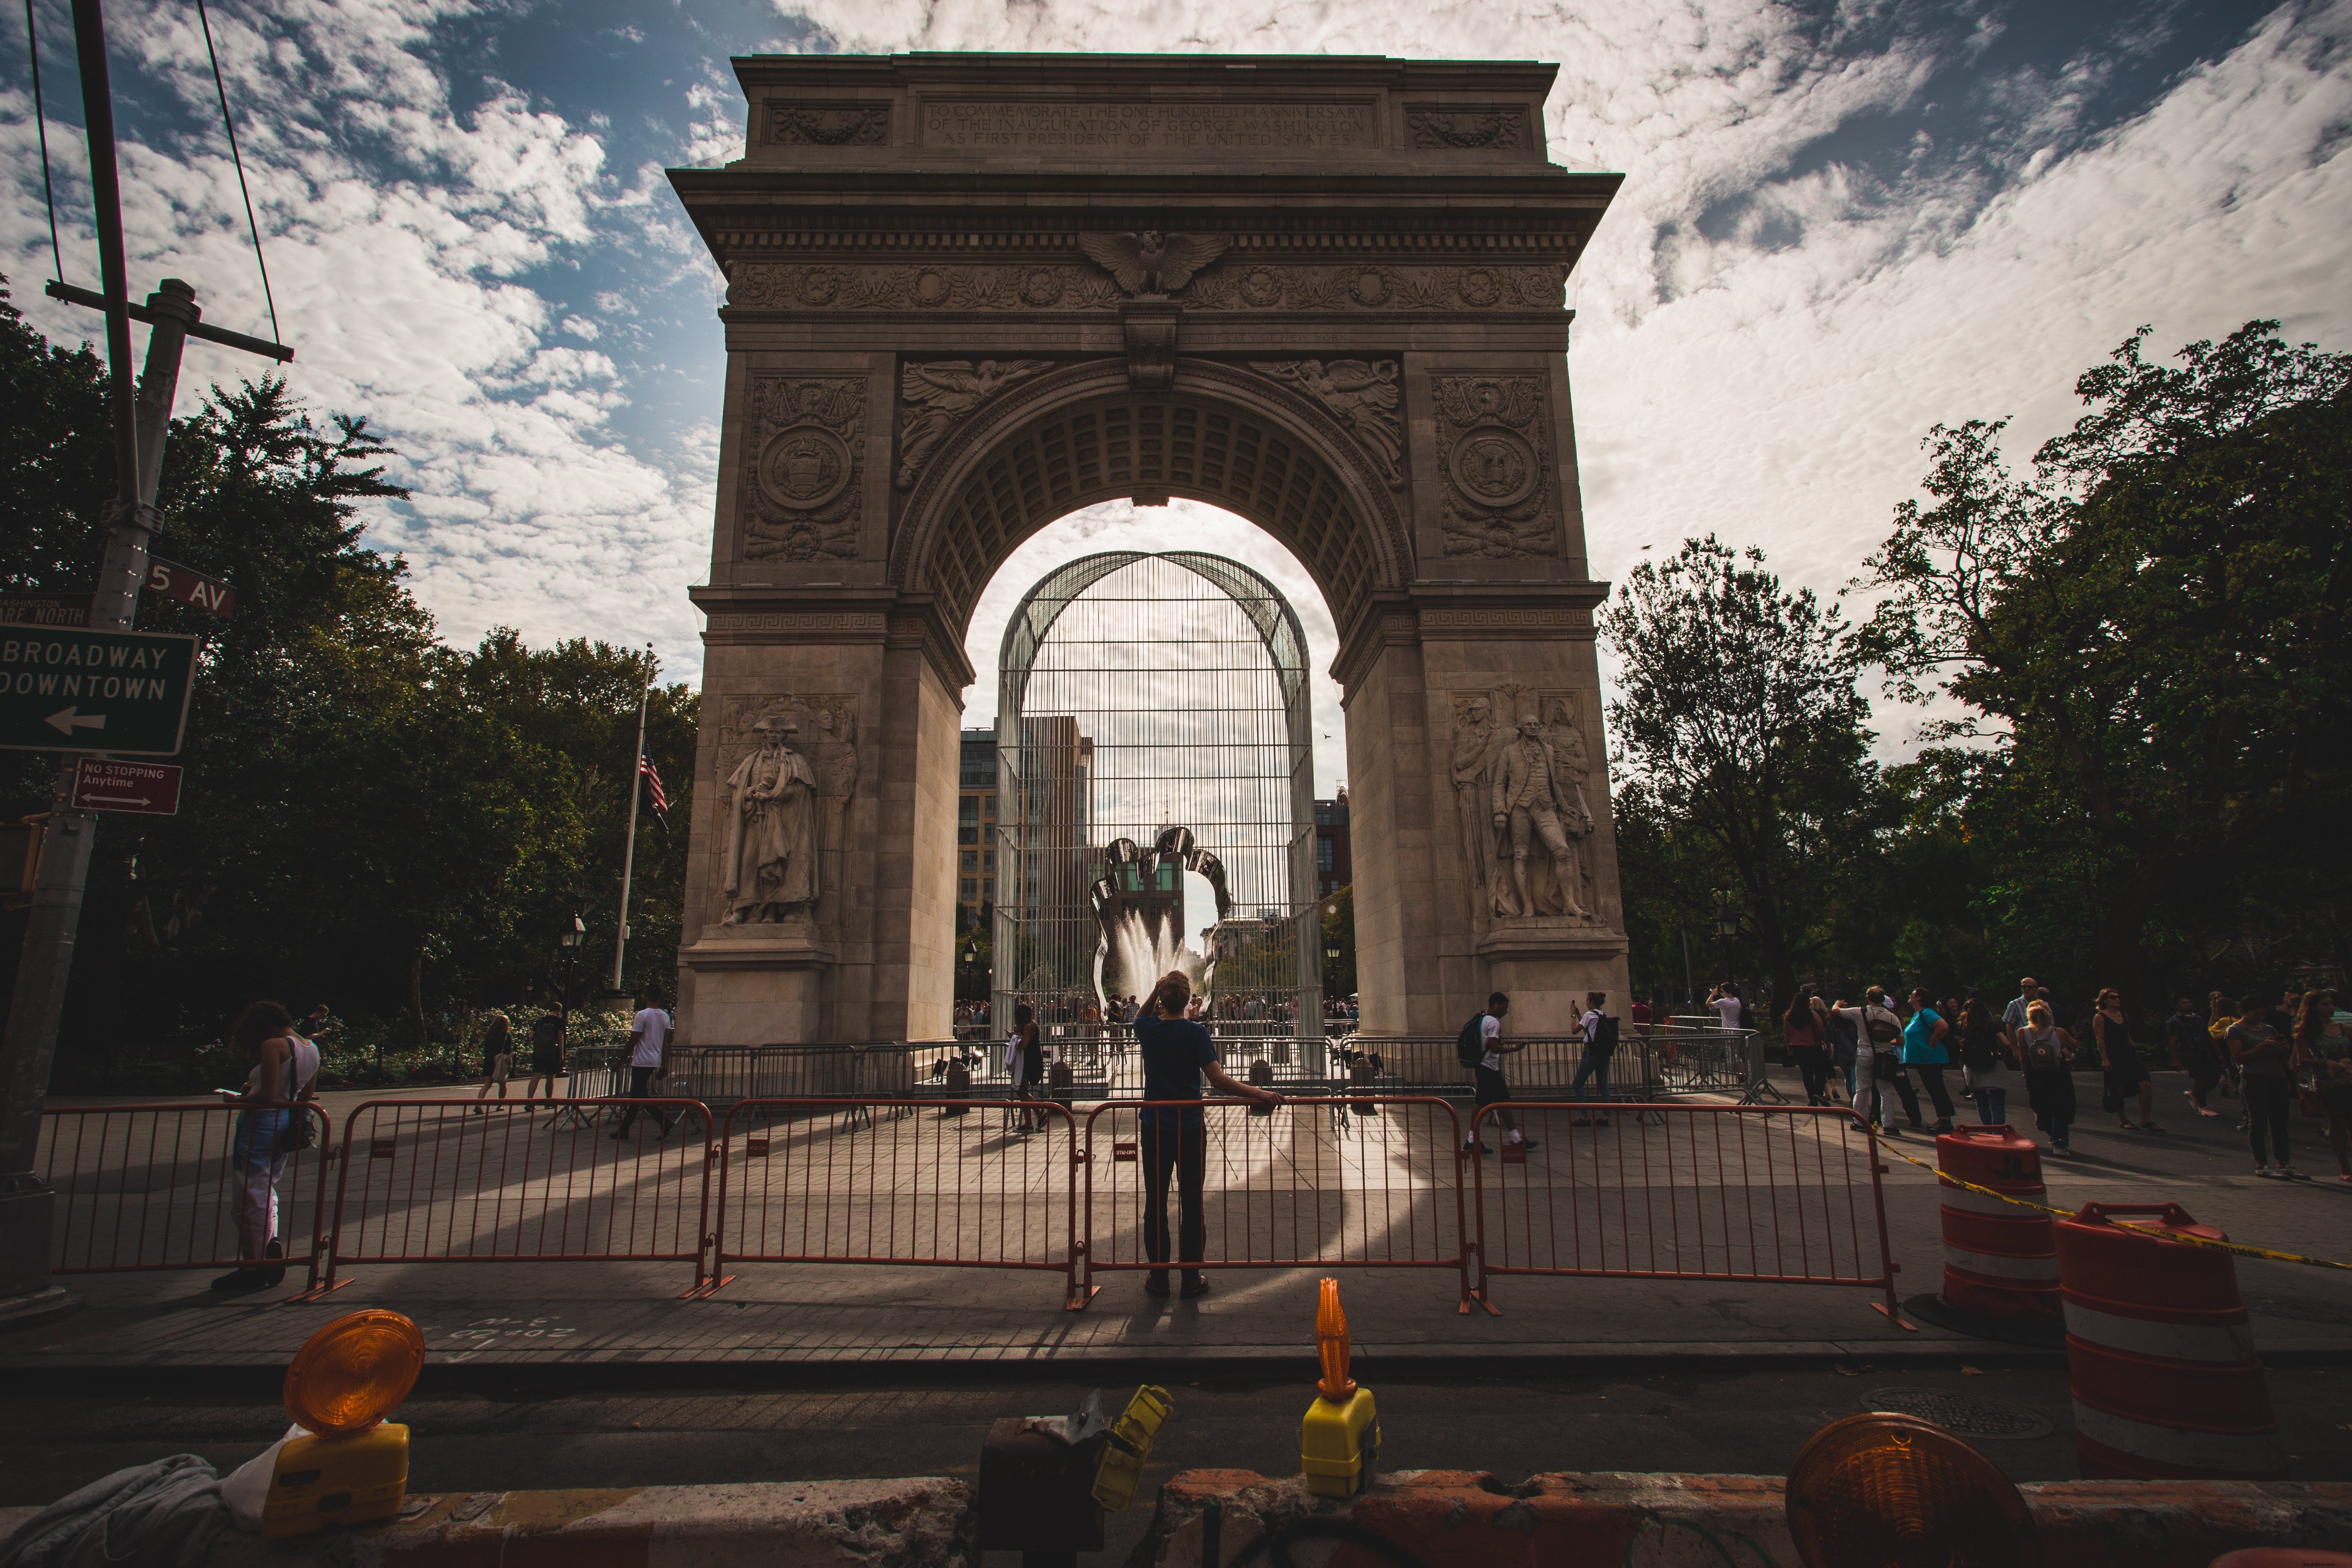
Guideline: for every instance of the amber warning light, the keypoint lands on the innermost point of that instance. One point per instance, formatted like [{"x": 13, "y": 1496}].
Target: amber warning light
[{"x": 353, "y": 1465}]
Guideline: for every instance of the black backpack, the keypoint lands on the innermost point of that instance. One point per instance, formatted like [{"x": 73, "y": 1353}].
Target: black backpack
[
  {"x": 1470, "y": 1045},
  {"x": 1604, "y": 1036}
]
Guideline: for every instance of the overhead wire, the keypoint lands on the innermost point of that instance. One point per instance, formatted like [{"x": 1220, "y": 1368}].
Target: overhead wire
[
  {"x": 41, "y": 124},
  {"x": 234, "y": 157}
]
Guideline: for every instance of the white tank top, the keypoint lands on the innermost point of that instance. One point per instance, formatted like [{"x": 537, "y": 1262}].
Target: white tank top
[{"x": 304, "y": 1061}]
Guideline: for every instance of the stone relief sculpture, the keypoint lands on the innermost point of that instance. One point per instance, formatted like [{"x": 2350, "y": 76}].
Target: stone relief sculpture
[
  {"x": 1361, "y": 393},
  {"x": 1225, "y": 286},
  {"x": 938, "y": 393},
  {"x": 805, "y": 456},
  {"x": 1494, "y": 459},
  {"x": 1150, "y": 264},
  {"x": 827, "y": 123},
  {"x": 1520, "y": 799},
  {"x": 824, "y": 745},
  {"x": 770, "y": 871},
  {"x": 1503, "y": 130}
]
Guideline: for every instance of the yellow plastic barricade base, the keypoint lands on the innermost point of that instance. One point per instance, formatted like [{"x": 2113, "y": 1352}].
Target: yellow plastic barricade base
[
  {"x": 1339, "y": 1444},
  {"x": 323, "y": 1480},
  {"x": 1120, "y": 1470}
]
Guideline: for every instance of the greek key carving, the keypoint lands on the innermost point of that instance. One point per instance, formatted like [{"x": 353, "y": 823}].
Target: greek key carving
[
  {"x": 935, "y": 395},
  {"x": 804, "y": 456},
  {"x": 792, "y": 622},
  {"x": 1361, "y": 393},
  {"x": 1494, "y": 459},
  {"x": 1505, "y": 620},
  {"x": 828, "y": 123},
  {"x": 1500, "y": 129}
]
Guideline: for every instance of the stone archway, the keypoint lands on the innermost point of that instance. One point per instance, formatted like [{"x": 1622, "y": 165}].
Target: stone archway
[{"x": 968, "y": 295}]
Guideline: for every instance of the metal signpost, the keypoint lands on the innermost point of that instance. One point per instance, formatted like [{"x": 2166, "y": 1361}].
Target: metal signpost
[{"x": 149, "y": 789}]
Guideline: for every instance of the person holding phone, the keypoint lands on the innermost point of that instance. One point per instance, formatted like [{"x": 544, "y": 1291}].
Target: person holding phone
[
  {"x": 271, "y": 1126},
  {"x": 1177, "y": 1053}
]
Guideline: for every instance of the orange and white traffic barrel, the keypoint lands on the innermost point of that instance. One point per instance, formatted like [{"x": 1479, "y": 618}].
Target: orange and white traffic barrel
[
  {"x": 2000, "y": 1260},
  {"x": 2166, "y": 1383}
]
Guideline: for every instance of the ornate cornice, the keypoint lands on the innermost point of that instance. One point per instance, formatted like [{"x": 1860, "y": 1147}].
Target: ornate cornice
[{"x": 951, "y": 284}]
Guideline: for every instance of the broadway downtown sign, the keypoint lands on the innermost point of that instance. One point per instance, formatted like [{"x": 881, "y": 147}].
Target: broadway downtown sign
[{"x": 119, "y": 692}]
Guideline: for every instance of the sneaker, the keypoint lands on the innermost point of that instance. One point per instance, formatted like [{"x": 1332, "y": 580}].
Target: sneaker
[
  {"x": 1194, "y": 1285},
  {"x": 2292, "y": 1174},
  {"x": 1941, "y": 1128},
  {"x": 2266, "y": 1171},
  {"x": 1156, "y": 1283},
  {"x": 2203, "y": 1111},
  {"x": 273, "y": 1277},
  {"x": 1527, "y": 1143},
  {"x": 1581, "y": 1122}
]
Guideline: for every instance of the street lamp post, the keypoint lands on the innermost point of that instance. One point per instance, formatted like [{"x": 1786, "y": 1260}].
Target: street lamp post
[{"x": 1726, "y": 926}]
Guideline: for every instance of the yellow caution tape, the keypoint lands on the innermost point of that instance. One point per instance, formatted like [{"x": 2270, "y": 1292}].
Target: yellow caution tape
[{"x": 2174, "y": 1236}]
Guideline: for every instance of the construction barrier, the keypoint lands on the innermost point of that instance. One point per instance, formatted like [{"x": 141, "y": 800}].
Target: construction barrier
[
  {"x": 722, "y": 1075},
  {"x": 510, "y": 1181},
  {"x": 1999, "y": 1259},
  {"x": 1682, "y": 1192},
  {"x": 2166, "y": 1383},
  {"x": 1350, "y": 1182},
  {"x": 945, "y": 1182},
  {"x": 177, "y": 1186}
]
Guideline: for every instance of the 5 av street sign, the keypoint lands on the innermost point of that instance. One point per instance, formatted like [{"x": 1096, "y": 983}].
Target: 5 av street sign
[
  {"x": 123, "y": 692},
  {"x": 102, "y": 784}
]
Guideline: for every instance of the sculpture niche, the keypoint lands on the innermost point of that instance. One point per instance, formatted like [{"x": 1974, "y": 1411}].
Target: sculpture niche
[
  {"x": 770, "y": 867},
  {"x": 1519, "y": 794}
]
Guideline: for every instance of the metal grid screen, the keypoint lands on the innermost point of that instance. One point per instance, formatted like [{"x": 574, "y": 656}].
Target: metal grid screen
[{"x": 1156, "y": 797}]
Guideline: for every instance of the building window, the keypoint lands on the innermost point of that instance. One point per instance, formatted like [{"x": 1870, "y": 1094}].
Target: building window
[
  {"x": 967, "y": 820},
  {"x": 988, "y": 806},
  {"x": 972, "y": 860},
  {"x": 1322, "y": 814},
  {"x": 988, "y": 861},
  {"x": 1323, "y": 858},
  {"x": 971, "y": 892}
]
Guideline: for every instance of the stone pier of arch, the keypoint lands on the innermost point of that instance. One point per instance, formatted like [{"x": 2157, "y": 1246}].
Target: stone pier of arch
[{"x": 967, "y": 295}]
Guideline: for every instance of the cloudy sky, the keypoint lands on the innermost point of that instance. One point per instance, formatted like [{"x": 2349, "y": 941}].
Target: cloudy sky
[{"x": 1841, "y": 223}]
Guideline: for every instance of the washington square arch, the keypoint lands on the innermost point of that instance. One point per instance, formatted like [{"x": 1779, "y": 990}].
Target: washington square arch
[{"x": 967, "y": 295}]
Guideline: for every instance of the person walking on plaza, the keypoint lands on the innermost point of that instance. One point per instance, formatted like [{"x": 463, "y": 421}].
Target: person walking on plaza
[
  {"x": 2127, "y": 1075},
  {"x": 2266, "y": 1060},
  {"x": 1841, "y": 1027},
  {"x": 1801, "y": 1030},
  {"x": 546, "y": 1053},
  {"x": 650, "y": 1034},
  {"x": 1984, "y": 1056},
  {"x": 2014, "y": 1016},
  {"x": 1725, "y": 1000},
  {"x": 1481, "y": 1047},
  {"x": 2193, "y": 1053},
  {"x": 1882, "y": 1031},
  {"x": 1174, "y": 1137},
  {"x": 2047, "y": 1054},
  {"x": 498, "y": 1058},
  {"x": 1025, "y": 1065},
  {"x": 2326, "y": 1055},
  {"x": 1600, "y": 1032},
  {"x": 269, "y": 1128},
  {"x": 1925, "y": 1052}
]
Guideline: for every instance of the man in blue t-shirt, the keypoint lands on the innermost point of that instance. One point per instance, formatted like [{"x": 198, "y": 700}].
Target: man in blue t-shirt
[
  {"x": 1177, "y": 1053},
  {"x": 1925, "y": 1053}
]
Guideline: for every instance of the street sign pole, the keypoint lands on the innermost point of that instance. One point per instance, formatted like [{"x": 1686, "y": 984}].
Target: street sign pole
[{"x": 139, "y": 425}]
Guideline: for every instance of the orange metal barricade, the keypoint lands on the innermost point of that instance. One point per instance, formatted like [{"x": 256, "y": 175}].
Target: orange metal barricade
[
  {"x": 1367, "y": 1182},
  {"x": 473, "y": 1180},
  {"x": 1778, "y": 1195},
  {"x": 950, "y": 1183},
  {"x": 162, "y": 1186}
]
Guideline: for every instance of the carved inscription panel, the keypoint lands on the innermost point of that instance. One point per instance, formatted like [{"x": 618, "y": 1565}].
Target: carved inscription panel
[{"x": 1107, "y": 129}]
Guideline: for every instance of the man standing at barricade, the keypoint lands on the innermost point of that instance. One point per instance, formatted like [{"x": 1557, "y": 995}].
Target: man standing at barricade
[
  {"x": 650, "y": 1034},
  {"x": 1599, "y": 1045},
  {"x": 1481, "y": 1047}
]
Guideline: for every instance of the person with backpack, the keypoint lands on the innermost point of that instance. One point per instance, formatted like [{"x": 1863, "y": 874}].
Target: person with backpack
[
  {"x": 1984, "y": 1055},
  {"x": 1480, "y": 1047},
  {"x": 1802, "y": 1031},
  {"x": 1599, "y": 1045},
  {"x": 269, "y": 1129},
  {"x": 1883, "y": 1026}
]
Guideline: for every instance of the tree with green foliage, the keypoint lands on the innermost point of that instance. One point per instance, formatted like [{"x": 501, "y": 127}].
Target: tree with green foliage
[
  {"x": 2152, "y": 637},
  {"x": 1744, "y": 732}
]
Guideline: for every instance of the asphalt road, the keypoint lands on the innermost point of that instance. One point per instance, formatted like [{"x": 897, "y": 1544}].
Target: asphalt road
[{"x": 1702, "y": 1421}]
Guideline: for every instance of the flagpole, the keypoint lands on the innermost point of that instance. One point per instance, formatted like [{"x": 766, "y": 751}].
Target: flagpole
[{"x": 636, "y": 788}]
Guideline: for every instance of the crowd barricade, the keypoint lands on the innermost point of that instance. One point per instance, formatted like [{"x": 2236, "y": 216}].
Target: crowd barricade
[
  {"x": 166, "y": 1186},
  {"x": 1683, "y": 1192},
  {"x": 512, "y": 1181},
  {"x": 1340, "y": 1182},
  {"x": 722, "y": 1075},
  {"x": 952, "y": 1183}
]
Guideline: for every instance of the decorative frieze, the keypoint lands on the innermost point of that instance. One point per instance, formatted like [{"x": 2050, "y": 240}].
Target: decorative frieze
[
  {"x": 1484, "y": 128},
  {"x": 1225, "y": 286},
  {"x": 1494, "y": 463},
  {"x": 804, "y": 458},
  {"x": 828, "y": 122}
]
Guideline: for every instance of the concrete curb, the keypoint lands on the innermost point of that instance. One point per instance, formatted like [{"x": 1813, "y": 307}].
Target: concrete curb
[{"x": 1450, "y": 1517}]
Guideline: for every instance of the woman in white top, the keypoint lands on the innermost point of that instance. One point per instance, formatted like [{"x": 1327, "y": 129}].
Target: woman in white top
[{"x": 271, "y": 1127}]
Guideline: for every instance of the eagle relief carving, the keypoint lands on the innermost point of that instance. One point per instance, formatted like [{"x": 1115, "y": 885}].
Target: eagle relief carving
[
  {"x": 1151, "y": 265},
  {"x": 939, "y": 394}
]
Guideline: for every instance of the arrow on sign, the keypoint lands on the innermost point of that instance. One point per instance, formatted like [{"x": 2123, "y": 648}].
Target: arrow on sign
[
  {"x": 65, "y": 721},
  {"x": 116, "y": 800}
]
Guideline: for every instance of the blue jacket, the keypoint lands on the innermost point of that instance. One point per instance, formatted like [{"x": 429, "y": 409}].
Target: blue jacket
[{"x": 1919, "y": 1043}]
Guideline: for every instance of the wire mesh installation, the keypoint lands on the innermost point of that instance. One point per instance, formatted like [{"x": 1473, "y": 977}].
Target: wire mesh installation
[
  {"x": 1155, "y": 790},
  {"x": 178, "y": 1186}
]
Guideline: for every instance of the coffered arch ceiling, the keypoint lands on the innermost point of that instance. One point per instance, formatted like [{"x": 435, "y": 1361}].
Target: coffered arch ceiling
[{"x": 1082, "y": 436}]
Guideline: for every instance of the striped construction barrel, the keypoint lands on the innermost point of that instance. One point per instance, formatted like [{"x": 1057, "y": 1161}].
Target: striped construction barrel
[
  {"x": 2000, "y": 1260},
  {"x": 2166, "y": 1383}
]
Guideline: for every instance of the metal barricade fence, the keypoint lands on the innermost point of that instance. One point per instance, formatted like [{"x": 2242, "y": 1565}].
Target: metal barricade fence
[
  {"x": 467, "y": 1181},
  {"x": 722, "y": 1075},
  {"x": 1683, "y": 1192},
  {"x": 1666, "y": 1063},
  {"x": 1321, "y": 1185},
  {"x": 947, "y": 1182},
  {"x": 176, "y": 1186}
]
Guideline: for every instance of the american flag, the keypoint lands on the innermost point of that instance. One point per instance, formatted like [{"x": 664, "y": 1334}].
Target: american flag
[{"x": 655, "y": 797}]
